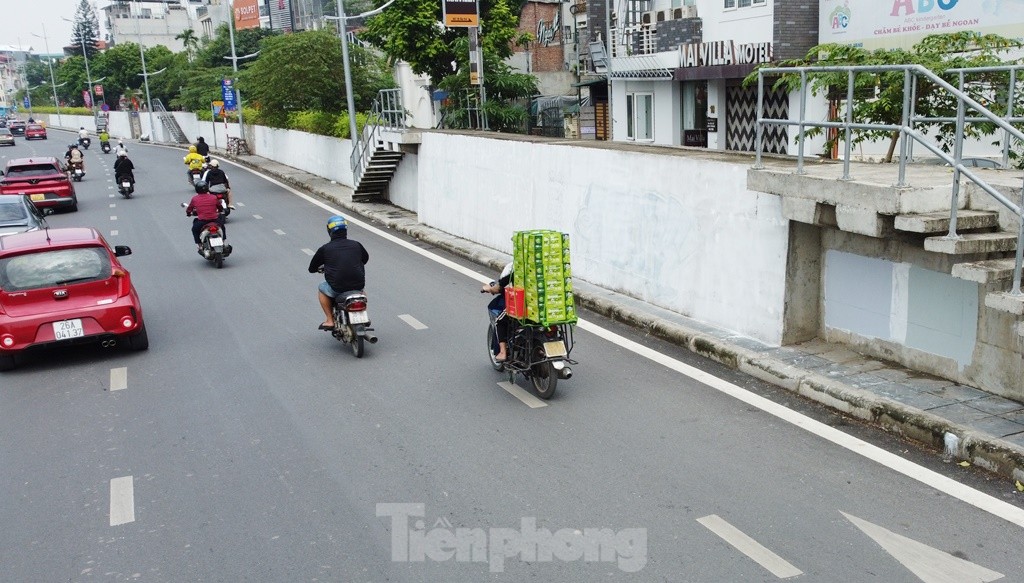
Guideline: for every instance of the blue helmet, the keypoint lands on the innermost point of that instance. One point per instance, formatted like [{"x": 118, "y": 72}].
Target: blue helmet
[{"x": 336, "y": 223}]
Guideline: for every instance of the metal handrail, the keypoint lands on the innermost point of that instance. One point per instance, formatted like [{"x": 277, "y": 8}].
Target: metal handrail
[
  {"x": 908, "y": 135},
  {"x": 386, "y": 113}
]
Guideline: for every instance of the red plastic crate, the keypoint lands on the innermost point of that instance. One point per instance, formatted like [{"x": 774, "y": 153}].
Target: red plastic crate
[{"x": 515, "y": 302}]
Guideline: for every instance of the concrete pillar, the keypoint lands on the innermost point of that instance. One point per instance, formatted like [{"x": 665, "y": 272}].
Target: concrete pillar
[{"x": 802, "y": 315}]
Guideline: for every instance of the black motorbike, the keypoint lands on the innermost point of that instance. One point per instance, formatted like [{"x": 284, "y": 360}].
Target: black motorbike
[
  {"x": 85, "y": 142},
  {"x": 105, "y": 146},
  {"x": 77, "y": 170},
  {"x": 125, "y": 184},
  {"x": 221, "y": 190},
  {"x": 212, "y": 244},
  {"x": 539, "y": 353}
]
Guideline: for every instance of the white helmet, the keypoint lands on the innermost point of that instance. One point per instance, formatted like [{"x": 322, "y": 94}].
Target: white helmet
[{"x": 214, "y": 164}]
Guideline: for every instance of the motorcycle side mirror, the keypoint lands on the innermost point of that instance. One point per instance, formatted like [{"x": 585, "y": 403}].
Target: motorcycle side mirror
[
  {"x": 122, "y": 250},
  {"x": 184, "y": 205}
]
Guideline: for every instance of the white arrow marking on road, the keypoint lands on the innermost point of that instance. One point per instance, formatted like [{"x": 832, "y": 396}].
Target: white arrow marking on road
[
  {"x": 118, "y": 378},
  {"x": 416, "y": 324},
  {"x": 257, "y": 217},
  {"x": 930, "y": 565},
  {"x": 527, "y": 399},
  {"x": 122, "y": 500},
  {"x": 309, "y": 252},
  {"x": 750, "y": 547},
  {"x": 279, "y": 231}
]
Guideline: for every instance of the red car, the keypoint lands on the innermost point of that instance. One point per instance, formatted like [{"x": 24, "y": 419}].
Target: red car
[
  {"x": 35, "y": 131},
  {"x": 43, "y": 179},
  {"x": 65, "y": 286}
]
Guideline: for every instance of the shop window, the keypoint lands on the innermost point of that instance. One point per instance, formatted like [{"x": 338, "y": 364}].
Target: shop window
[
  {"x": 640, "y": 116},
  {"x": 744, "y": 3}
]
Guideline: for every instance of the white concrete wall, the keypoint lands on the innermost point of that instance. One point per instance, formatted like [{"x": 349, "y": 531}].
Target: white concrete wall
[
  {"x": 403, "y": 190},
  {"x": 677, "y": 232},
  {"x": 321, "y": 155}
]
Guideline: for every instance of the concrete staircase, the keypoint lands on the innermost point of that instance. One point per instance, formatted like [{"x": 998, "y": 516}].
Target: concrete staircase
[{"x": 375, "y": 178}]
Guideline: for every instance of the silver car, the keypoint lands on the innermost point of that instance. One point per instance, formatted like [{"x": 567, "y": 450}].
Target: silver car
[
  {"x": 6, "y": 137},
  {"x": 18, "y": 214}
]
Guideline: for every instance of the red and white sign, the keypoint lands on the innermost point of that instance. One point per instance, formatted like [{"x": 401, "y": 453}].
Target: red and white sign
[
  {"x": 247, "y": 14},
  {"x": 98, "y": 90}
]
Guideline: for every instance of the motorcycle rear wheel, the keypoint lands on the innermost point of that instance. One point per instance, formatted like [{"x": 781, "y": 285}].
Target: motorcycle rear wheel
[
  {"x": 545, "y": 379},
  {"x": 357, "y": 345},
  {"x": 218, "y": 260}
]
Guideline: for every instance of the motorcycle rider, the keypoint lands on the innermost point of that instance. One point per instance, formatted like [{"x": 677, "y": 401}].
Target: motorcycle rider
[
  {"x": 104, "y": 138},
  {"x": 497, "y": 304},
  {"x": 123, "y": 168},
  {"x": 206, "y": 209},
  {"x": 82, "y": 133},
  {"x": 194, "y": 162},
  {"x": 202, "y": 148},
  {"x": 74, "y": 156},
  {"x": 342, "y": 261},
  {"x": 120, "y": 148},
  {"x": 215, "y": 177}
]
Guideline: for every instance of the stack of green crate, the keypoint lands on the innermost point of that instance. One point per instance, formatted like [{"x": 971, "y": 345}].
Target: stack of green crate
[{"x": 540, "y": 261}]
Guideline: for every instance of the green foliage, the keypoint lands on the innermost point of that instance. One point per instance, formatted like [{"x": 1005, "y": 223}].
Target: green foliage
[
  {"x": 879, "y": 96},
  {"x": 63, "y": 111},
  {"x": 86, "y": 29}
]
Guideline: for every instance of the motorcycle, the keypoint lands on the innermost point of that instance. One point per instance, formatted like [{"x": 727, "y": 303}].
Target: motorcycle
[
  {"x": 105, "y": 146},
  {"x": 352, "y": 321},
  {"x": 85, "y": 142},
  {"x": 539, "y": 353},
  {"x": 77, "y": 170},
  {"x": 212, "y": 245},
  {"x": 221, "y": 191},
  {"x": 194, "y": 175},
  {"x": 125, "y": 185}
]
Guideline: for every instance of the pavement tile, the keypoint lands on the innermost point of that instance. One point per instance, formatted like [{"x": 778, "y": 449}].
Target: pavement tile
[
  {"x": 959, "y": 413},
  {"x": 1017, "y": 439},
  {"x": 1017, "y": 416},
  {"x": 914, "y": 398},
  {"x": 997, "y": 426},
  {"x": 815, "y": 346},
  {"x": 865, "y": 365},
  {"x": 928, "y": 384},
  {"x": 960, "y": 393},
  {"x": 865, "y": 380},
  {"x": 996, "y": 405},
  {"x": 749, "y": 344},
  {"x": 842, "y": 355},
  {"x": 894, "y": 374}
]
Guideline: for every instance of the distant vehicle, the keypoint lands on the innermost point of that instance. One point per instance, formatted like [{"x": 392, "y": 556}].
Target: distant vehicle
[
  {"x": 35, "y": 131},
  {"x": 16, "y": 126},
  {"x": 43, "y": 179},
  {"x": 65, "y": 286},
  {"x": 6, "y": 137},
  {"x": 18, "y": 214}
]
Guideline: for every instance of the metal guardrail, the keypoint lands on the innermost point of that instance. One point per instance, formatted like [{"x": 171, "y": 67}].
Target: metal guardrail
[
  {"x": 908, "y": 134},
  {"x": 387, "y": 113}
]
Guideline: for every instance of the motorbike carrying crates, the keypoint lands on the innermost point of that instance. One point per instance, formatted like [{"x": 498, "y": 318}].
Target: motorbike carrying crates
[{"x": 540, "y": 261}]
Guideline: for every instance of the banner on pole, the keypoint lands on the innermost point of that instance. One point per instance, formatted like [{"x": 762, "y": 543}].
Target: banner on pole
[
  {"x": 460, "y": 13},
  {"x": 247, "y": 14}
]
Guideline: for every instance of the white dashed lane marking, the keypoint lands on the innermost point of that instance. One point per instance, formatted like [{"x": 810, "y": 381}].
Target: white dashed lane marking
[
  {"x": 257, "y": 217},
  {"x": 279, "y": 231},
  {"x": 239, "y": 204},
  {"x": 527, "y": 399},
  {"x": 750, "y": 547},
  {"x": 118, "y": 379},
  {"x": 113, "y": 205},
  {"x": 309, "y": 252},
  {"x": 113, "y": 233},
  {"x": 122, "y": 500},
  {"x": 416, "y": 324},
  {"x": 113, "y": 217}
]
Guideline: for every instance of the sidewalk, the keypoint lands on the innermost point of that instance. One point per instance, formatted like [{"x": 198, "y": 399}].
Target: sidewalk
[{"x": 925, "y": 408}]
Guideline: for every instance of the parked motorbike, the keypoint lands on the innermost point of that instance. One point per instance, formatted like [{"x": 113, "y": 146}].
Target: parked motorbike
[
  {"x": 539, "y": 353},
  {"x": 212, "y": 245},
  {"x": 85, "y": 142},
  {"x": 105, "y": 146},
  {"x": 352, "y": 321},
  {"x": 125, "y": 184},
  {"x": 77, "y": 170}
]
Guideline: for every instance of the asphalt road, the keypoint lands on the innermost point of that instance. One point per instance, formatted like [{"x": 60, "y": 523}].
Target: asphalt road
[{"x": 245, "y": 445}]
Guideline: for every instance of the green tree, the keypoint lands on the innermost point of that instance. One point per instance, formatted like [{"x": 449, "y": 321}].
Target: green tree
[
  {"x": 121, "y": 66},
  {"x": 86, "y": 29},
  {"x": 190, "y": 40},
  {"x": 880, "y": 95},
  {"x": 304, "y": 71}
]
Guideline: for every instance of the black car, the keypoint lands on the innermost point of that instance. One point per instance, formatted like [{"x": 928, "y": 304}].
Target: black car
[
  {"x": 18, "y": 214},
  {"x": 17, "y": 127}
]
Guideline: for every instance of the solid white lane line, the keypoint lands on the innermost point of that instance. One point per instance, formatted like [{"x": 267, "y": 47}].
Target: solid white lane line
[
  {"x": 122, "y": 500},
  {"x": 279, "y": 231},
  {"x": 118, "y": 378},
  {"x": 527, "y": 399},
  {"x": 416, "y": 324},
  {"x": 113, "y": 233},
  {"x": 257, "y": 217},
  {"x": 949, "y": 486},
  {"x": 309, "y": 252},
  {"x": 775, "y": 564}
]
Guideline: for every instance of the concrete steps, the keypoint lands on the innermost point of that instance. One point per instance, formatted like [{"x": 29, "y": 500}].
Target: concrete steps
[
  {"x": 985, "y": 272},
  {"x": 373, "y": 184},
  {"x": 971, "y": 243},
  {"x": 928, "y": 223}
]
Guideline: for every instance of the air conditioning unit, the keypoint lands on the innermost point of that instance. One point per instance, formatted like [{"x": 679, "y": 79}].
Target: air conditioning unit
[
  {"x": 664, "y": 15},
  {"x": 648, "y": 17},
  {"x": 684, "y": 12}
]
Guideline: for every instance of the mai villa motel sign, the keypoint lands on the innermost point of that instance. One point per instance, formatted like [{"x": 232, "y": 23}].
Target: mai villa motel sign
[{"x": 724, "y": 52}]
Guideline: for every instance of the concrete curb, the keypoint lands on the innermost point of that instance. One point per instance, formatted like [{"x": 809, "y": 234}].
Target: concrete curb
[{"x": 981, "y": 449}]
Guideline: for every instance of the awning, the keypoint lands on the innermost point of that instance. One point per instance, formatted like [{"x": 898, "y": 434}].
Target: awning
[{"x": 598, "y": 81}]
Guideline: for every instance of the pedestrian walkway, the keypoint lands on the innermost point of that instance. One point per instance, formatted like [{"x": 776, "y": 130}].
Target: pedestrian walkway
[{"x": 989, "y": 429}]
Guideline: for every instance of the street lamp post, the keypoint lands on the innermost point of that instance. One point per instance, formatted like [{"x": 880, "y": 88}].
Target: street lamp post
[
  {"x": 145, "y": 78},
  {"x": 88, "y": 75},
  {"x": 234, "y": 66},
  {"x": 53, "y": 82}
]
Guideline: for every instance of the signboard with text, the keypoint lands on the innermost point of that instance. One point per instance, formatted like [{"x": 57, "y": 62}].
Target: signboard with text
[
  {"x": 890, "y": 24},
  {"x": 460, "y": 13},
  {"x": 98, "y": 90},
  {"x": 87, "y": 98},
  {"x": 247, "y": 14},
  {"x": 228, "y": 92}
]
